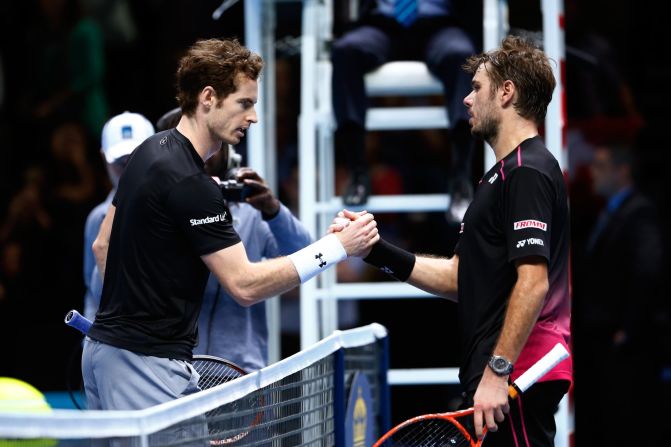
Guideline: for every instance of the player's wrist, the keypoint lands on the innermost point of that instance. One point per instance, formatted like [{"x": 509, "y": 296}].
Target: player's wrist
[
  {"x": 392, "y": 260},
  {"x": 500, "y": 365},
  {"x": 318, "y": 256},
  {"x": 272, "y": 210}
]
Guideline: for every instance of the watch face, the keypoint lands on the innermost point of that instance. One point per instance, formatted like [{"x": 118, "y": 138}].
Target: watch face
[{"x": 500, "y": 364}]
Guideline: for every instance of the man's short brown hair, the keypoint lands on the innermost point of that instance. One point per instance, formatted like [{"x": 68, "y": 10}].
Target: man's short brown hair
[
  {"x": 521, "y": 62},
  {"x": 217, "y": 63}
]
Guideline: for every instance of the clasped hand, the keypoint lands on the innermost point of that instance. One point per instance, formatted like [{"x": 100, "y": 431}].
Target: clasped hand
[{"x": 357, "y": 232}]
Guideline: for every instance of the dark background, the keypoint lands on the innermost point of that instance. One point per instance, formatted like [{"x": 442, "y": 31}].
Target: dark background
[{"x": 40, "y": 275}]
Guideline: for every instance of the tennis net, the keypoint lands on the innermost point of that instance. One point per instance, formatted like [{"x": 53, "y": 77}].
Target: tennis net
[{"x": 299, "y": 401}]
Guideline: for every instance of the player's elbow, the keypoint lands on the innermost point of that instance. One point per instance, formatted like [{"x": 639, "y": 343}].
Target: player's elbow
[
  {"x": 99, "y": 248},
  {"x": 244, "y": 292},
  {"x": 243, "y": 298},
  {"x": 537, "y": 287}
]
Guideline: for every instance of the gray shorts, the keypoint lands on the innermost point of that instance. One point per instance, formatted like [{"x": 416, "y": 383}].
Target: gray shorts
[{"x": 117, "y": 379}]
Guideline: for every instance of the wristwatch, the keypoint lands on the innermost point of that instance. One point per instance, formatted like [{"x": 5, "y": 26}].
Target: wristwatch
[{"x": 500, "y": 365}]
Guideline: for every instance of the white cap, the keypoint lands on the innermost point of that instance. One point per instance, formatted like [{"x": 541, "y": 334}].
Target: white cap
[{"x": 123, "y": 133}]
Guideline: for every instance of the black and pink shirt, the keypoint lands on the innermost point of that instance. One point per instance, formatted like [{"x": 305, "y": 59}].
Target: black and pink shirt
[{"x": 520, "y": 209}]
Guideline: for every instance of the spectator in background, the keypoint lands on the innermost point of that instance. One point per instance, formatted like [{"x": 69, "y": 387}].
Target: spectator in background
[
  {"x": 30, "y": 267},
  {"x": 432, "y": 31},
  {"x": 616, "y": 300},
  {"x": 26, "y": 230},
  {"x": 72, "y": 190},
  {"x": 267, "y": 229},
  {"x": 600, "y": 107},
  {"x": 120, "y": 136},
  {"x": 70, "y": 67}
]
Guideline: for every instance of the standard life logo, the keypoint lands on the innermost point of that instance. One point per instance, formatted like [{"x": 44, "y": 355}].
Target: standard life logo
[{"x": 209, "y": 219}]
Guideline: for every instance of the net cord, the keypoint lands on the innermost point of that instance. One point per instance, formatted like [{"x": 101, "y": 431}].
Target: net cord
[{"x": 84, "y": 424}]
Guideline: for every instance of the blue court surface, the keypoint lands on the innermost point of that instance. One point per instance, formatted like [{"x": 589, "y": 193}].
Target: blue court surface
[{"x": 62, "y": 399}]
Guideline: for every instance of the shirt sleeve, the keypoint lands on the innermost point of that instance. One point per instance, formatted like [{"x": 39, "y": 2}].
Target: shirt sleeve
[
  {"x": 528, "y": 213},
  {"x": 288, "y": 232},
  {"x": 91, "y": 228},
  {"x": 199, "y": 210}
]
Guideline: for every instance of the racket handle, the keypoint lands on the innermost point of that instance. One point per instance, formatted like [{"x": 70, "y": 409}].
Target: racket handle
[
  {"x": 78, "y": 321},
  {"x": 538, "y": 370}
]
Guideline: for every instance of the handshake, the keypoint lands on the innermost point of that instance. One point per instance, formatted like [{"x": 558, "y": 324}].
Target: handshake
[
  {"x": 357, "y": 232},
  {"x": 353, "y": 235},
  {"x": 375, "y": 251}
]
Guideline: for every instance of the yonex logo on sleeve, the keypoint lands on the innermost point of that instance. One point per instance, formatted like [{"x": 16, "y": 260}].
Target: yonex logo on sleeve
[
  {"x": 522, "y": 224},
  {"x": 207, "y": 220}
]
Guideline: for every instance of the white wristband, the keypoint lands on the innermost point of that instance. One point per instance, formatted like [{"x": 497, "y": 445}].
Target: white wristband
[{"x": 318, "y": 256}]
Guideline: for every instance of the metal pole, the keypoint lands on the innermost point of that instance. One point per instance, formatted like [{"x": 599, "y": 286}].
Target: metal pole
[{"x": 307, "y": 164}]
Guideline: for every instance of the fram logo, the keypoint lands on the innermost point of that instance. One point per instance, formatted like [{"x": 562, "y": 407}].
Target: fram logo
[{"x": 522, "y": 224}]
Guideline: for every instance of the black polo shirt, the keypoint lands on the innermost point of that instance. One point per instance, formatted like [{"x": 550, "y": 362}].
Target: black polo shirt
[
  {"x": 520, "y": 209},
  {"x": 169, "y": 212}
]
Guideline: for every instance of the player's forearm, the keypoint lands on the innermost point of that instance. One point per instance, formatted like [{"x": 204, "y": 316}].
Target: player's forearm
[
  {"x": 101, "y": 244},
  {"x": 265, "y": 279},
  {"x": 100, "y": 247},
  {"x": 250, "y": 282},
  {"x": 436, "y": 275},
  {"x": 429, "y": 273},
  {"x": 525, "y": 303}
]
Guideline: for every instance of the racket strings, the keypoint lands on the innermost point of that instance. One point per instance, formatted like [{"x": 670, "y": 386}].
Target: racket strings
[
  {"x": 429, "y": 433},
  {"x": 214, "y": 373},
  {"x": 224, "y": 429}
]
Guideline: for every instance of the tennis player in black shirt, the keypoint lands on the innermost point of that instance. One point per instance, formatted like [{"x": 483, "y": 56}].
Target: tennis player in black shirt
[
  {"x": 168, "y": 226},
  {"x": 510, "y": 268}
]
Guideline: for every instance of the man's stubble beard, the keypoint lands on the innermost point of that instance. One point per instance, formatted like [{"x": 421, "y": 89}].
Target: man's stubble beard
[{"x": 488, "y": 130}]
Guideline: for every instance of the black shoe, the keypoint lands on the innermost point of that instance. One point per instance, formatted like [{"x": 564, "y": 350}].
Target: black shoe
[
  {"x": 461, "y": 196},
  {"x": 357, "y": 192}
]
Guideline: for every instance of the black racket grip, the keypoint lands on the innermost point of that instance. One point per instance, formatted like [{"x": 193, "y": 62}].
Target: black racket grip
[{"x": 78, "y": 321}]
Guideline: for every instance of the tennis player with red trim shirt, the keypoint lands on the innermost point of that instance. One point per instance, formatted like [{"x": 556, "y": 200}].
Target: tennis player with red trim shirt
[{"x": 510, "y": 270}]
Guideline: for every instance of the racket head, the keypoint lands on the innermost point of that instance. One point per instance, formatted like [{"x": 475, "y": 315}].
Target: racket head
[
  {"x": 214, "y": 371},
  {"x": 431, "y": 430},
  {"x": 223, "y": 429}
]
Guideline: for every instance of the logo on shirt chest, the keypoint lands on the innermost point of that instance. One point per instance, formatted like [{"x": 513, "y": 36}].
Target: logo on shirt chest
[{"x": 522, "y": 224}]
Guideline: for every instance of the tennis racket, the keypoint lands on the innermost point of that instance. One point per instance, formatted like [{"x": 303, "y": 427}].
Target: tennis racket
[
  {"x": 447, "y": 429},
  {"x": 223, "y": 428}
]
